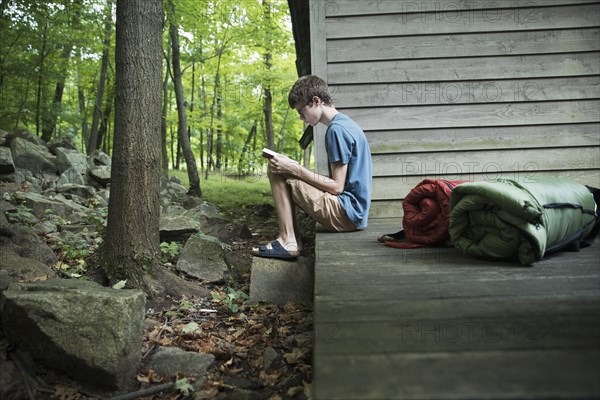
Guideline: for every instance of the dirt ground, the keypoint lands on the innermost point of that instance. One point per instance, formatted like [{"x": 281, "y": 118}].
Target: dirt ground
[{"x": 261, "y": 351}]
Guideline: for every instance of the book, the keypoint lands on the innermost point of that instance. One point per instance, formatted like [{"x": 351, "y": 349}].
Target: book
[{"x": 268, "y": 153}]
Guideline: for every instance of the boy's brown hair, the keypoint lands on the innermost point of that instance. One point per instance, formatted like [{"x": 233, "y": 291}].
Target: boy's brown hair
[{"x": 307, "y": 87}]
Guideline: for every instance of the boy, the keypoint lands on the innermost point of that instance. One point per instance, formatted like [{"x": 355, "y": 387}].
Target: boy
[{"x": 340, "y": 202}]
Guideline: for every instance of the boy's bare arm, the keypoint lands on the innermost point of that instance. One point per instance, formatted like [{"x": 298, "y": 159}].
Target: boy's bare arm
[{"x": 284, "y": 165}]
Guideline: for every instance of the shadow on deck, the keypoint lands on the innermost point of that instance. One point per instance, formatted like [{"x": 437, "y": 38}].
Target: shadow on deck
[{"x": 434, "y": 324}]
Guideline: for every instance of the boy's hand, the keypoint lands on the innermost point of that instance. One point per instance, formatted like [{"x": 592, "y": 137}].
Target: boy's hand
[{"x": 281, "y": 164}]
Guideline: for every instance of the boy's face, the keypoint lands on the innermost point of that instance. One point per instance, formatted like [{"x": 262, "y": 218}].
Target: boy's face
[{"x": 308, "y": 112}]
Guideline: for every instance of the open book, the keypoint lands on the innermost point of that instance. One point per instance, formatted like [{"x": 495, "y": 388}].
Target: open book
[{"x": 268, "y": 153}]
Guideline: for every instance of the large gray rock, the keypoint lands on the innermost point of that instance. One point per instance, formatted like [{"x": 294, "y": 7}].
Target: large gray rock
[
  {"x": 281, "y": 281},
  {"x": 68, "y": 158},
  {"x": 82, "y": 191},
  {"x": 173, "y": 360},
  {"x": 71, "y": 176},
  {"x": 91, "y": 333},
  {"x": 177, "y": 224},
  {"x": 7, "y": 165},
  {"x": 100, "y": 174},
  {"x": 3, "y": 137},
  {"x": 42, "y": 205},
  {"x": 32, "y": 157},
  {"x": 100, "y": 158},
  {"x": 22, "y": 241},
  {"x": 203, "y": 257},
  {"x": 21, "y": 268}
]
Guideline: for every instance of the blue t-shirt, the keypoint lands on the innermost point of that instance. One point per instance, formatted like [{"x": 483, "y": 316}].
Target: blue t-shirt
[{"x": 346, "y": 143}]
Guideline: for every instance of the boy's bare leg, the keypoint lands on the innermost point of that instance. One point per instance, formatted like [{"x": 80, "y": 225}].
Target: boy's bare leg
[{"x": 286, "y": 213}]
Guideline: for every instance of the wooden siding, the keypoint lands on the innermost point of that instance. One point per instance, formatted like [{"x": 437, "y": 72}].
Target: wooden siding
[{"x": 464, "y": 89}]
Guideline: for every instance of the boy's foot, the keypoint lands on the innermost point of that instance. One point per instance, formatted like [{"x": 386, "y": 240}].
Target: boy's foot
[{"x": 276, "y": 250}]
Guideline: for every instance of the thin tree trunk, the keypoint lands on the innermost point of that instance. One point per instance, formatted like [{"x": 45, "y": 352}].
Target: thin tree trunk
[
  {"x": 281, "y": 136},
  {"x": 216, "y": 95},
  {"x": 51, "y": 117},
  {"x": 219, "y": 131},
  {"x": 192, "y": 169},
  {"x": 108, "y": 105},
  {"x": 163, "y": 126},
  {"x": 85, "y": 130},
  {"x": 38, "y": 106},
  {"x": 251, "y": 134},
  {"x": 268, "y": 97},
  {"x": 93, "y": 142},
  {"x": 203, "y": 131}
]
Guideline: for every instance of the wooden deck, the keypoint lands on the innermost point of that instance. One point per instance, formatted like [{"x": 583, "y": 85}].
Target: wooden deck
[{"x": 433, "y": 324}]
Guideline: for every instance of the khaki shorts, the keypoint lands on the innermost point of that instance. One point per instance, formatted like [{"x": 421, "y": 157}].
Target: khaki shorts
[{"x": 323, "y": 207}]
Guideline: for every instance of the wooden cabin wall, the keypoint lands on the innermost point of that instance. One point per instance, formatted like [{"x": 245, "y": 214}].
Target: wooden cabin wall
[{"x": 464, "y": 89}]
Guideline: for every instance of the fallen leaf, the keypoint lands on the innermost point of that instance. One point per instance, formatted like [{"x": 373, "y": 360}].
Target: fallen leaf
[
  {"x": 294, "y": 357},
  {"x": 291, "y": 392},
  {"x": 120, "y": 284},
  {"x": 191, "y": 327},
  {"x": 270, "y": 379}
]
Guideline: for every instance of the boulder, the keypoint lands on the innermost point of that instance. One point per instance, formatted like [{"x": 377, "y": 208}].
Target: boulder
[
  {"x": 25, "y": 134},
  {"x": 203, "y": 257},
  {"x": 15, "y": 177},
  {"x": 89, "y": 332},
  {"x": 281, "y": 281},
  {"x": 23, "y": 269},
  {"x": 71, "y": 176},
  {"x": 40, "y": 204},
  {"x": 177, "y": 224},
  {"x": 215, "y": 227},
  {"x": 22, "y": 240},
  {"x": 69, "y": 158},
  {"x": 7, "y": 165},
  {"x": 32, "y": 157},
  {"x": 100, "y": 174},
  {"x": 100, "y": 158},
  {"x": 77, "y": 190},
  {"x": 173, "y": 360},
  {"x": 3, "y": 138}
]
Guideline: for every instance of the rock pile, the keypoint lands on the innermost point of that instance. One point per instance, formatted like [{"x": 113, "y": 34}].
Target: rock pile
[{"x": 53, "y": 194}]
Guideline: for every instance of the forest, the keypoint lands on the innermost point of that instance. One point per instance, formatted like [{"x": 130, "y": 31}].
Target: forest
[{"x": 227, "y": 68}]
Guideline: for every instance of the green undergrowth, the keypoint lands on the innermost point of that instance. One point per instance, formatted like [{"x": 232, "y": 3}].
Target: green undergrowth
[{"x": 231, "y": 191}]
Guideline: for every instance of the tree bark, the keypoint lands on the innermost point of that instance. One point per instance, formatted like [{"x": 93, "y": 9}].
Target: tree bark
[
  {"x": 186, "y": 148},
  {"x": 132, "y": 249}
]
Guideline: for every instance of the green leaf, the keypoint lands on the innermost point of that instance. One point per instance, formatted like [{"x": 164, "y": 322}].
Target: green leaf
[
  {"x": 120, "y": 284},
  {"x": 183, "y": 386},
  {"x": 191, "y": 327}
]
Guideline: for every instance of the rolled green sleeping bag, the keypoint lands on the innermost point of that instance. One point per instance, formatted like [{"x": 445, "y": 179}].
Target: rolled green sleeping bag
[{"x": 504, "y": 219}]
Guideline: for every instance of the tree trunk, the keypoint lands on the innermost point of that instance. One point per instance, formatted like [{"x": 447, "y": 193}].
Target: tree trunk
[
  {"x": 38, "y": 107},
  {"x": 131, "y": 249},
  {"x": 268, "y": 97},
  {"x": 251, "y": 134},
  {"x": 216, "y": 95},
  {"x": 93, "y": 142},
  {"x": 85, "y": 130},
  {"x": 51, "y": 116},
  {"x": 163, "y": 126},
  {"x": 190, "y": 161},
  {"x": 104, "y": 124},
  {"x": 219, "y": 131}
]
